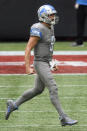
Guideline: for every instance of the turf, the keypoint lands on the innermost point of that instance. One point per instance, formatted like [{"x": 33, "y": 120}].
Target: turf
[
  {"x": 39, "y": 114},
  {"x": 18, "y": 46}
]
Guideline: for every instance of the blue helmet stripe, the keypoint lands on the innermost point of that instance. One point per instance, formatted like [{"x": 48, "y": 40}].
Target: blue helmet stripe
[{"x": 42, "y": 11}]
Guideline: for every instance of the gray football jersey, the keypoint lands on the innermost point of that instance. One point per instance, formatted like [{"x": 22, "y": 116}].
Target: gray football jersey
[{"x": 43, "y": 51}]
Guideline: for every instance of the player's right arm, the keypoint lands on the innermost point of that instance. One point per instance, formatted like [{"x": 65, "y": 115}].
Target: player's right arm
[
  {"x": 35, "y": 36},
  {"x": 30, "y": 45}
]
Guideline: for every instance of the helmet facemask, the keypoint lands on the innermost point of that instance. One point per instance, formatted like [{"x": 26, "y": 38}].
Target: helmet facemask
[{"x": 54, "y": 20}]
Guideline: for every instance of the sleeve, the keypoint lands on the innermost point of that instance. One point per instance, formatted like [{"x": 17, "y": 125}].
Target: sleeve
[{"x": 35, "y": 32}]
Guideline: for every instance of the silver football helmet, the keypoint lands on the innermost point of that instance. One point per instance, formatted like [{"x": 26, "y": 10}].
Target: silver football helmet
[{"x": 45, "y": 11}]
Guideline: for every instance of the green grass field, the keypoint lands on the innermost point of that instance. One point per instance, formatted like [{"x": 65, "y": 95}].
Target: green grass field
[
  {"x": 39, "y": 114},
  {"x": 58, "y": 46}
]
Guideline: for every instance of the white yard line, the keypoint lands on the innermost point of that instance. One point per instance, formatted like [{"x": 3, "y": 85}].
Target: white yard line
[
  {"x": 12, "y": 53},
  {"x": 66, "y": 97},
  {"x": 60, "y": 63},
  {"x": 22, "y": 53},
  {"x": 42, "y": 111},
  {"x": 21, "y": 63},
  {"x": 15, "y": 86},
  {"x": 38, "y": 125},
  {"x": 55, "y": 74},
  {"x": 70, "y": 53},
  {"x": 70, "y": 74},
  {"x": 30, "y": 86}
]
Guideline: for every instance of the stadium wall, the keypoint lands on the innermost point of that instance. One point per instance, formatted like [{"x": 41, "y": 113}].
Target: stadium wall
[{"x": 16, "y": 17}]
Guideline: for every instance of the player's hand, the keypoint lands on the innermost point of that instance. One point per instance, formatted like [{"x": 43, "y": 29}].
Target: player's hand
[
  {"x": 30, "y": 71},
  {"x": 54, "y": 65},
  {"x": 55, "y": 68}
]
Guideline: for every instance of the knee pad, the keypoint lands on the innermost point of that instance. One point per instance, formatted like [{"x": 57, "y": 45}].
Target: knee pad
[
  {"x": 53, "y": 94},
  {"x": 54, "y": 90}
]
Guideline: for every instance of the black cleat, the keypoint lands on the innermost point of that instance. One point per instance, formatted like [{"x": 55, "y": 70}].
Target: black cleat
[
  {"x": 65, "y": 120},
  {"x": 10, "y": 108}
]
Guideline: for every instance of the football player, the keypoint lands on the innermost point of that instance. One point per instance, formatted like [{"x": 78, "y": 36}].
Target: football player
[{"x": 42, "y": 40}]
